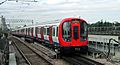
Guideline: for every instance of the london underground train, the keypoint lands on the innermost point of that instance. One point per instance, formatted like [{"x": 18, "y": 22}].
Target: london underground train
[{"x": 64, "y": 35}]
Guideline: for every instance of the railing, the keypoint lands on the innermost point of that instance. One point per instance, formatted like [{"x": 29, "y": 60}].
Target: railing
[
  {"x": 110, "y": 47},
  {"x": 96, "y": 44},
  {"x": 116, "y": 56}
]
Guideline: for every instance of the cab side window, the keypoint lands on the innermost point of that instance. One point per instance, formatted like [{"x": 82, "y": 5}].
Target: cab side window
[{"x": 66, "y": 31}]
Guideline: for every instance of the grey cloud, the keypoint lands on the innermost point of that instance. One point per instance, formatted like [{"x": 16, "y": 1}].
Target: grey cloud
[{"x": 64, "y": 8}]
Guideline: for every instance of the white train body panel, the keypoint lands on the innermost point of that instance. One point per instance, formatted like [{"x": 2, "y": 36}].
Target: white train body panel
[{"x": 39, "y": 35}]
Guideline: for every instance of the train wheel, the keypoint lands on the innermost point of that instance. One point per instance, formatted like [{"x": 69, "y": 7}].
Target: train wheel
[{"x": 57, "y": 50}]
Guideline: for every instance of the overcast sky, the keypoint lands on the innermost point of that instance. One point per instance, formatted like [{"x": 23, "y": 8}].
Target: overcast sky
[{"x": 45, "y": 10}]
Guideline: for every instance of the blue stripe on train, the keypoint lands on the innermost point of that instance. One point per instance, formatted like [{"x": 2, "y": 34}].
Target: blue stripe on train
[
  {"x": 47, "y": 41},
  {"x": 55, "y": 43}
]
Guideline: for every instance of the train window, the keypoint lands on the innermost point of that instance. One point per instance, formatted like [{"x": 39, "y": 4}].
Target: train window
[
  {"x": 75, "y": 32},
  {"x": 56, "y": 31},
  {"x": 53, "y": 32},
  {"x": 75, "y": 20},
  {"x": 66, "y": 31},
  {"x": 18, "y": 31},
  {"x": 22, "y": 30},
  {"x": 28, "y": 30},
  {"x": 36, "y": 30},
  {"x": 47, "y": 31},
  {"x": 118, "y": 38},
  {"x": 31, "y": 30},
  {"x": 44, "y": 30},
  {"x": 83, "y": 31}
]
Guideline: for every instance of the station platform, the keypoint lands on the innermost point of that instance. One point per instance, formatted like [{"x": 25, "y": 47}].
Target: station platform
[{"x": 12, "y": 53}]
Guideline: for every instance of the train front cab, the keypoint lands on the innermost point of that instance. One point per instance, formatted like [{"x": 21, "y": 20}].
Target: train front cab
[{"x": 74, "y": 35}]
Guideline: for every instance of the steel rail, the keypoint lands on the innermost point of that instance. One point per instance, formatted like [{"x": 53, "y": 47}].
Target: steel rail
[
  {"x": 93, "y": 62},
  {"x": 33, "y": 50},
  {"x": 22, "y": 53},
  {"x": 80, "y": 60}
]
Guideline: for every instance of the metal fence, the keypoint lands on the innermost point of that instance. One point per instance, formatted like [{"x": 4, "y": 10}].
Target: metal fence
[{"x": 110, "y": 47}]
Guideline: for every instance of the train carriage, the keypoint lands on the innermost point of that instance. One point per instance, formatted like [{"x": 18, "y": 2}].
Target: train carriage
[{"x": 62, "y": 35}]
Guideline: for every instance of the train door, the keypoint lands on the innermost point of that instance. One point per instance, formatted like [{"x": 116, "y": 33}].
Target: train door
[
  {"x": 28, "y": 31},
  {"x": 42, "y": 35},
  {"x": 45, "y": 34},
  {"x": 39, "y": 33},
  {"x": 75, "y": 32},
  {"x": 36, "y": 32},
  {"x": 18, "y": 32},
  {"x": 50, "y": 35},
  {"x": 55, "y": 35},
  {"x": 32, "y": 32}
]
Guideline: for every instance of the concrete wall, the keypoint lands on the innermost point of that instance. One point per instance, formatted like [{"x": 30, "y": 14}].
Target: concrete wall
[{"x": 102, "y": 38}]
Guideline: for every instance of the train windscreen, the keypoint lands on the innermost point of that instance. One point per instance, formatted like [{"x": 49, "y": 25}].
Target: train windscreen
[
  {"x": 66, "y": 31},
  {"x": 83, "y": 31}
]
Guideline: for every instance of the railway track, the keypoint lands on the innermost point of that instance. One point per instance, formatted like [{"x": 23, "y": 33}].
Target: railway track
[
  {"x": 19, "y": 58},
  {"x": 77, "y": 59},
  {"x": 31, "y": 56}
]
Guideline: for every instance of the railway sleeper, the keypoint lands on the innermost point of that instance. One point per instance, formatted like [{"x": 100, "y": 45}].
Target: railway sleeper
[{"x": 45, "y": 50}]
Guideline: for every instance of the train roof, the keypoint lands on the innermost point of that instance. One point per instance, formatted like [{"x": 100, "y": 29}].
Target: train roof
[{"x": 49, "y": 23}]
